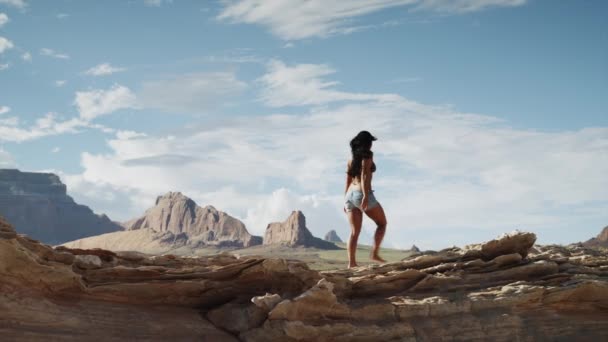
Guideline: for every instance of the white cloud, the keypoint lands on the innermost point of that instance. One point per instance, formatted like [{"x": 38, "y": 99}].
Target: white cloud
[
  {"x": 94, "y": 103},
  {"x": 299, "y": 19},
  {"x": 103, "y": 69},
  {"x": 3, "y": 19},
  {"x": 157, "y": 3},
  {"x": 190, "y": 93},
  {"x": 15, "y": 3},
  {"x": 55, "y": 149},
  {"x": 464, "y": 6},
  {"x": 5, "y": 44},
  {"x": 52, "y": 53},
  {"x": 441, "y": 172},
  {"x": 6, "y": 159},
  {"x": 90, "y": 104},
  {"x": 60, "y": 83},
  {"x": 62, "y": 15},
  {"x": 45, "y": 126},
  {"x": 27, "y": 57},
  {"x": 4, "y": 66},
  {"x": 405, "y": 80},
  {"x": 11, "y": 130},
  {"x": 126, "y": 135},
  {"x": 303, "y": 84},
  {"x": 9, "y": 121}
]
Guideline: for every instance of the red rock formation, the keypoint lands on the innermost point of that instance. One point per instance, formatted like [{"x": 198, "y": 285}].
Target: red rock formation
[
  {"x": 502, "y": 290},
  {"x": 176, "y": 213},
  {"x": 293, "y": 232},
  {"x": 175, "y": 221}
]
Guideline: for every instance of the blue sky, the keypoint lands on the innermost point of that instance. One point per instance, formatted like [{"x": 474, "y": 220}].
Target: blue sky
[{"x": 492, "y": 115}]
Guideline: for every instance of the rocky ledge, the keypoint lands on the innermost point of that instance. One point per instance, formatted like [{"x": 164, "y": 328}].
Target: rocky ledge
[{"x": 502, "y": 290}]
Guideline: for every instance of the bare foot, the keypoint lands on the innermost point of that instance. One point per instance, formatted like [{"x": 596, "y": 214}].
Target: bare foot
[
  {"x": 352, "y": 265},
  {"x": 377, "y": 258}
]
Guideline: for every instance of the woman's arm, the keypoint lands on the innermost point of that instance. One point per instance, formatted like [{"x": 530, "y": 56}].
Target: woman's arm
[
  {"x": 366, "y": 179},
  {"x": 349, "y": 179}
]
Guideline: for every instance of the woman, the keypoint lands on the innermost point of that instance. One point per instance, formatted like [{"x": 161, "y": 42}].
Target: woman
[{"x": 359, "y": 196}]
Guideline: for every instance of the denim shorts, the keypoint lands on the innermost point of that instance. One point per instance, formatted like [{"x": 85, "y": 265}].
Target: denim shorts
[{"x": 353, "y": 199}]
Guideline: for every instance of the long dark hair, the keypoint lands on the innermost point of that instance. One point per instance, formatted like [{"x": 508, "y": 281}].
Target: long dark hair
[{"x": 360, "y": 147}]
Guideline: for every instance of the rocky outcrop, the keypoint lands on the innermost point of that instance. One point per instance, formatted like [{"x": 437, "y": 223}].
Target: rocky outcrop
[
  {"x": 293, "y": 232},
  {"x": 415, "y": 249},
  {"x": 37, "y": 204},
  {"x": 502, "y": 290},
  {"x": 601, "y": 240},
  {"x": 176, "y": 213},
  {"x": 332, "y": 236},
  {"x": 174, "y": 222}
]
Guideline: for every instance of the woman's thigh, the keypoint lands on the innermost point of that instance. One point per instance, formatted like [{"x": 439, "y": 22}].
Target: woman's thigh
[
  {"x": 377, "y": 215},
  {"x": 355, "y": 217}
]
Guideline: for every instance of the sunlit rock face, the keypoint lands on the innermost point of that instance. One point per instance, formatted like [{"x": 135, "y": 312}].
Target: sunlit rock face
[
  {"x": 501, "y": 290},
  {"x": 37, "y": 204},
  {"x": 175, "y": 221},
  {"x": 178, "y": 214}
]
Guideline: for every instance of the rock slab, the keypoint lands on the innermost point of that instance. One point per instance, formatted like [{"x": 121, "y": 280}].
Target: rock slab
[{"x": 501, "y": 290}]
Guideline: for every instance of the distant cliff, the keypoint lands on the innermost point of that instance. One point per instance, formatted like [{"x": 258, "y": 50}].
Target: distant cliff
[
  {"x": 293, "y": 232},
  {"x": 332, "y": 236},
  {"x": 176, "y": 213},
  {"x": 37, "y": 204},
  {"x": 601, "y": 240},
  {"x": 174, "y": 221}
]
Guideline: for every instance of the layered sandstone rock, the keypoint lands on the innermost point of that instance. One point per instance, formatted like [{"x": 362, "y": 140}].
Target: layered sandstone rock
[
  {"x": 174, "y": 222},
  {"x": 332, "y": 236},
  {"x": 37, "y": 204},
  {"x": 502, "y": 290},
  {"x": 293, "y": 232}
]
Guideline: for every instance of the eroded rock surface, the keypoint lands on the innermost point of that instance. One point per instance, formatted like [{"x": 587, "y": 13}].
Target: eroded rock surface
[{"x": 502, "y": 290}]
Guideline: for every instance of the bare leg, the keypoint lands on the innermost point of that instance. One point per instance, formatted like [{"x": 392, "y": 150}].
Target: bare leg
[
  {"x": 355, "y": 217},
  {"x": 377, "y": 215}
]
